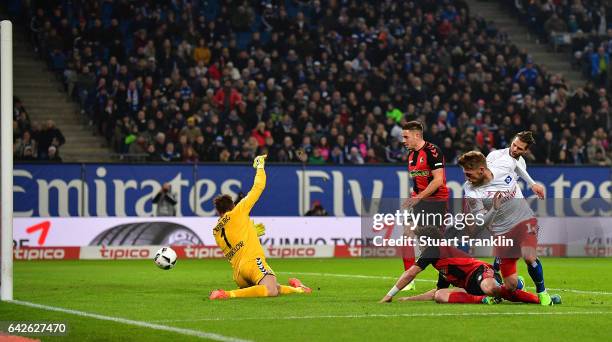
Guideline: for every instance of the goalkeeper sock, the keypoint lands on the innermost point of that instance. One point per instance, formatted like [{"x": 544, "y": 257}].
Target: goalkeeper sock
[
  {"x": 465, "y": 298},
  {"x": 537, "y": 275},
  {"x": 253, "y": 291},
  {"x": 285, "y": 289},
  {"x": 408, "y": 256}
]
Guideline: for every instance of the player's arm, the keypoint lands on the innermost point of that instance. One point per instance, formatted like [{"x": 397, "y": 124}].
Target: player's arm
[
  {"x": 484, "y": 217},
  {"x": 436, "y": 182},
  {"x": 404, "y": 279},
  {"x": 535, "y": 187},
  {"x": 260, "y": 229},
  {"x": 429, "y": 256},
  {"x": 435, "y": 160},
  {"x": 427, "y": 296},
  {"x": 259, "y": 184}
]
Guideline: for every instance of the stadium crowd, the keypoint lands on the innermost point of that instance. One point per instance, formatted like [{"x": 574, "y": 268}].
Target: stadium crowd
[
  {"x": 584, "y": 26},
  {"x": 310, "y": 81},
  {"x": 34, "y": 141}
]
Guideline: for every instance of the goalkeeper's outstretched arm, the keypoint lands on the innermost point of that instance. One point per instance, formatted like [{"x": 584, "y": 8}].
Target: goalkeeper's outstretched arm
[{"x": 259, "y": 184}]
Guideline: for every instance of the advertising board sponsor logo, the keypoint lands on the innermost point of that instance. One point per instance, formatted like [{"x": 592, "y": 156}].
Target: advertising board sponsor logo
[
  {"x": 128, "y": 190},
  {"x": 46, "y": 253},
  {"x": 199, "y": 252},
  {"x": 291, "y": 252}
]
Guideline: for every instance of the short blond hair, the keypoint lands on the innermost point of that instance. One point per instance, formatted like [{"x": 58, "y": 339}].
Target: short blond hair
[{"x": 472, "y": 160}]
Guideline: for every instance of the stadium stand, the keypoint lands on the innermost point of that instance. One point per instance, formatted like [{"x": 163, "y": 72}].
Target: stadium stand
[{"x": 309, "y": 81}]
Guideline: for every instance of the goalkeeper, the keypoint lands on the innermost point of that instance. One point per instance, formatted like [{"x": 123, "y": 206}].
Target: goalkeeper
[{"x": 238, "y": 240}]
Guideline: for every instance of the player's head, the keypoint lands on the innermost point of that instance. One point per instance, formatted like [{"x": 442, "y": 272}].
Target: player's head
[
  {"x": 412, "y": 134},
  {"x": 474, "y": 165},
  {"x": 223, "y": 204},
  {"x": 521, "y": 143}
]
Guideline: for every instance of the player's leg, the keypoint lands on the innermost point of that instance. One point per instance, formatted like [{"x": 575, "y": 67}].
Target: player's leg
[
  {"x": 254, "y": 279},
  {"x": 491, "y": 287},
  {"x": 527, "y": 234},
  {"x": 295, "y": 286},
  {"x": 457, "y": 295},
  {"x": 408, "y": 257},
  {"x": 507, "y": 267},
  {"x": 534, "y": 267},
  {"x": 427, "y": 296}
]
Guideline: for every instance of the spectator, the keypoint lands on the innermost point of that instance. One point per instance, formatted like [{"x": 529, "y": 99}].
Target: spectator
[
  {"x": 304, "y": 73},
  {"x": 316, "y": 209},
  {"x": 600, "y": 63},
  {"x": 165, "y": 201},
  {"x": 191, "y": 131},
  {"x": 25, "y": 143},
  {"x": 169, "y": 155},
  {"x": 53, "y": 155},
  {"x": 316, "y": 158},
  {"x": 50, "y": 136}
]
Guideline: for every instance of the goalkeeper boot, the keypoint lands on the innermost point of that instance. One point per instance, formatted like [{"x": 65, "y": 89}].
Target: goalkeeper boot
[
  {"x": 218, "y": 294},
  {"x": 545, "y": 298},
  {"x": 295, "y": 282},
  {"x": 410, "y": 287},
  {"x": 491, "y": 300}
]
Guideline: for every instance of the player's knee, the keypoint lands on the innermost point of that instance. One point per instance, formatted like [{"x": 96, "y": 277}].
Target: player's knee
[
  {"x": 440, "y": 297},
  {"x": 511, "y": 283},
  {"x": 272, "y": 291},
  {"x": 530, "y": 259}
]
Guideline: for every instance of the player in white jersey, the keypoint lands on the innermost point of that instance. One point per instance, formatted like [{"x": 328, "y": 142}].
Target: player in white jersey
[
  {"x": 512, "y": 159},
  {"x": 494, "y": 192}
]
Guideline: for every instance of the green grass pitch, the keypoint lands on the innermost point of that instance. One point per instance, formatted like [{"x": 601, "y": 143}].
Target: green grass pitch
[{"x": 343, "y": 305}]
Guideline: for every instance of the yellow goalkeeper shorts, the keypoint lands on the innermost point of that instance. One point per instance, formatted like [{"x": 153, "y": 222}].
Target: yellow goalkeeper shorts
[{"x": 251, "y": 272}]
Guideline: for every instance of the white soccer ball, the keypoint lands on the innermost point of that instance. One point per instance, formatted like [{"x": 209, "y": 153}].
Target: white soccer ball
[{"x": 165, "y": 258}]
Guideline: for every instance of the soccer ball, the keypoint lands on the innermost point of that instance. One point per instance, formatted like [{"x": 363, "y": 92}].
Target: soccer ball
[{"x": 165, "y": 258}]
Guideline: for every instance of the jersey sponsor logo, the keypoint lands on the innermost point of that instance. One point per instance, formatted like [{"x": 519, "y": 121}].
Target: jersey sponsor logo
[
  {"x": 421, "y": 173},
  {"x": 508, "y": 180}
]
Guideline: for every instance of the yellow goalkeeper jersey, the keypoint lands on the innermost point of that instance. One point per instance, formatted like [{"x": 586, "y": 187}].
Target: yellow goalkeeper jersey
[{"x": 234, "y": 231}]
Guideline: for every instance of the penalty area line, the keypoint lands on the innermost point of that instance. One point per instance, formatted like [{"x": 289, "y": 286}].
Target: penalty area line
[
  {"x": 149, "y": 325},
  {"x": 440, "y": 314},
  {"x": 361, "y": 276}
]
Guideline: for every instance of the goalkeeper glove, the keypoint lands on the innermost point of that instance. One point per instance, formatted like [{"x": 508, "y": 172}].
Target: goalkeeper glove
[
  {"x": 259, "y": 161},
  {"x": 260, "y": 229}
]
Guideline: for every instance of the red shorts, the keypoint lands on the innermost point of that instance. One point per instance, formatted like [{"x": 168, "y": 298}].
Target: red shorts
[{"x": 525, "y": 234}]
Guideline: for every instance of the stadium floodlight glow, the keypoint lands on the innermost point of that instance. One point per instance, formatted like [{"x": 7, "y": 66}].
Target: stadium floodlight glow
[{"x": 6, "y": 186}]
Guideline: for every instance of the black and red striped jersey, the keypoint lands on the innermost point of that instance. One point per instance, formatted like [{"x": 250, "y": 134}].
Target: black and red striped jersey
[
  {"x": 421, "y": 163},
  {"x": 454, "y": 265}
]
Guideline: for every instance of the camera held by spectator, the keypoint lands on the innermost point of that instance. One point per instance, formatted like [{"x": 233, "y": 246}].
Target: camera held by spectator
[
  {"x": 166, "y": 201},
  {"x": 317, "y": 209}
]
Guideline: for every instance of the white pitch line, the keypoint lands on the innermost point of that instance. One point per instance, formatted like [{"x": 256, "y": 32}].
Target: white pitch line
[
  {"x": 361, "y": 276},
  {"x": 441, "y": 314},
  {"x": 189, "y": 332}
]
